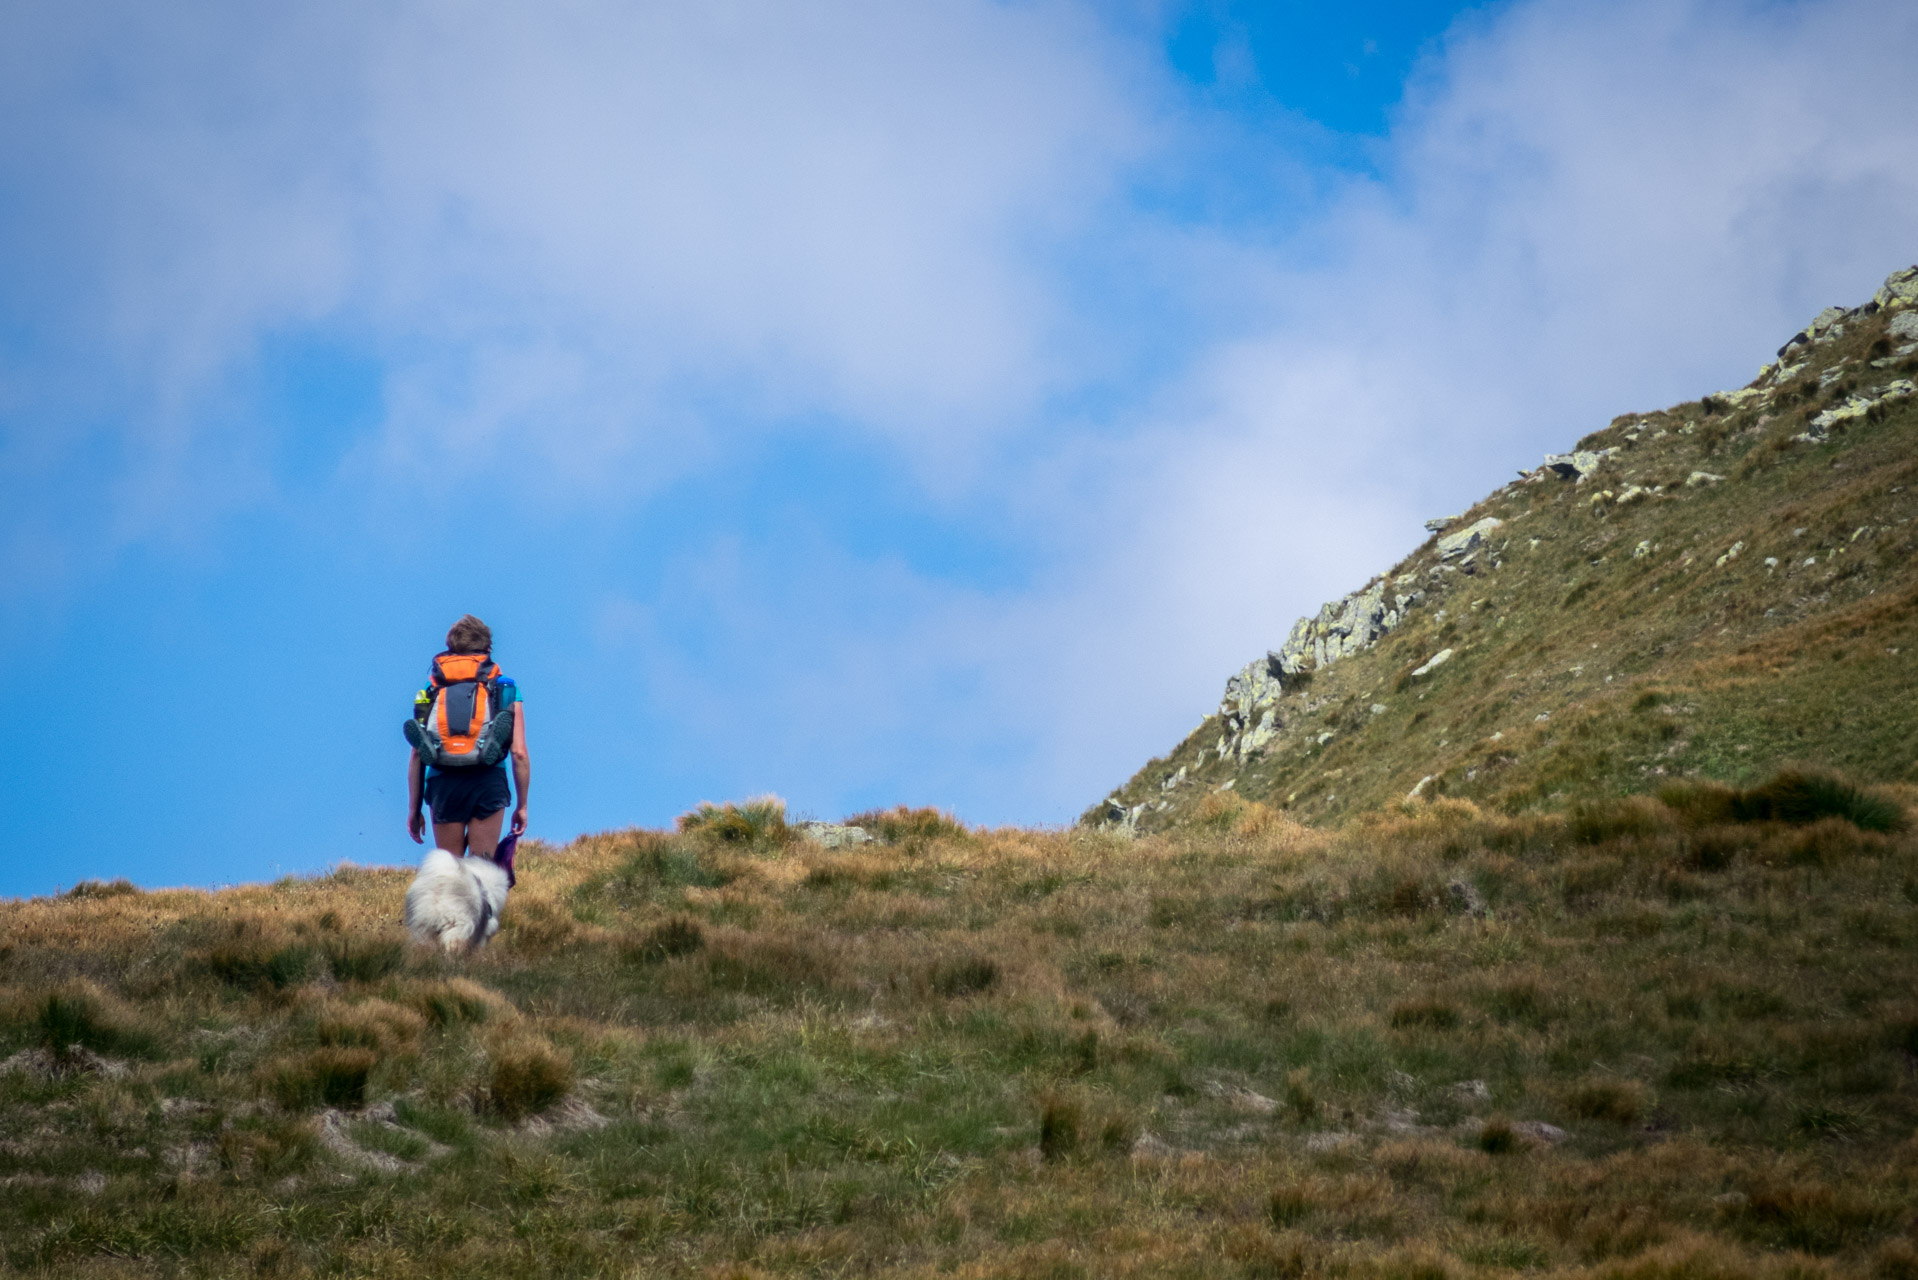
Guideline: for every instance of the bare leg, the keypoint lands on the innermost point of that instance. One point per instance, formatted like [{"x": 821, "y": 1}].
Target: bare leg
[
  {"x": 450, "y": 836},
  {"x": 482, "y": 834}
]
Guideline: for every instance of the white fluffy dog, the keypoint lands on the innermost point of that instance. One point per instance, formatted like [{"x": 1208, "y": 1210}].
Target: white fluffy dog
[{"x": 454, "y": 902}]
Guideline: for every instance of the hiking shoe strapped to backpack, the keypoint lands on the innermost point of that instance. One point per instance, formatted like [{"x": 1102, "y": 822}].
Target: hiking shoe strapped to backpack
[{"x": 465, "y": 717}]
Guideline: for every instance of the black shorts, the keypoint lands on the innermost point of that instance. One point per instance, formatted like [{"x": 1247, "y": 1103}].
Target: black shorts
[{"x": 466, "y": 795}]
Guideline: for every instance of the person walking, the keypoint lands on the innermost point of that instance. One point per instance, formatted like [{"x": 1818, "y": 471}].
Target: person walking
[{"x": 465, "y": 722}]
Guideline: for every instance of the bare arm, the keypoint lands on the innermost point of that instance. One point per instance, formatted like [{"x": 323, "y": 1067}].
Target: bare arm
[
  {"x": 415, "y": 786},
  {"x": 522, "y": 767}
]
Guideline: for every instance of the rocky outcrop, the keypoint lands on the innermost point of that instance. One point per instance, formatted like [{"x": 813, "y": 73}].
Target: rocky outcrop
[
  {"x": 1456, "y": 546},
  {"x": 1344, "y": 627},
  {"x": 1248, "y": 714},
  {"x": 1577, "y": 464},
  {"x": 831, "y": 835},
  {"x": 1819, "y": 429},
  {"x": 1254, "y": 688},
  {"x": 1899, "y": 290}
]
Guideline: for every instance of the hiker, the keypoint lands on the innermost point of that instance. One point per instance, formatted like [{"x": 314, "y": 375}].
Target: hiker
[{"x": 464, "y": 724}]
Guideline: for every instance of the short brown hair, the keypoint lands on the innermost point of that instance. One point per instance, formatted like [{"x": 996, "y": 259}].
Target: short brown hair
[{"x": 469, "y": 635}]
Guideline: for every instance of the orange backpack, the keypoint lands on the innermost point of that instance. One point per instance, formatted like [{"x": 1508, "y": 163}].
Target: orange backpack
[{"x": 462, "y": 719}]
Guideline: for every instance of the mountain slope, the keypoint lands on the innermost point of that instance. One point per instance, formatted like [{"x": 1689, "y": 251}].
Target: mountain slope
[{"x": 1713, "y": 590}]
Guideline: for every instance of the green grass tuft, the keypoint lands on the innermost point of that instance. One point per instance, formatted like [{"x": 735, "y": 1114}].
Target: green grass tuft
[
  {"x": 526, "y": 1076},
  {"x": 333, "y": 1076},
  {"x": 1498, "y": 1137},
  {"x": 1060, "y": 1122},
  {"x": 80, "y": 1013},
  {"x": 678, "y": 936},
  {"x": 362, "y": 957},
  {"x": 1802, "y": 797},
  {"x": 967, "y": 976},
  {"x": 758, "y": 824},
  {"x": 120, "y": 888},
  {"x": 906, "y": 825}
]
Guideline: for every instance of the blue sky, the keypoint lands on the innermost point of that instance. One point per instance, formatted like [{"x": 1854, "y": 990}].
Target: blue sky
[{"x": 860, "y": 402}]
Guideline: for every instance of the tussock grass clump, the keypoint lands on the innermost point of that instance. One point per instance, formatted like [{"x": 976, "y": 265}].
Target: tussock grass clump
[
  {"x": 1228, "y": 813},
  {"x": 1807, "y": 1214},
  {"x": 267, "y": 1147},
  {"x": 904, "y": 824},
  {"x": 1827, "y": 840},
  {"x": 1498, "y": 1137},
  {"x": 1425, "y": 1012},
  {"x": 452, "y": 1001},
  {"x": 539, "y": 927},
  {"x": 262, "y": 952},
  {"x": 779, "y": 967},
  {"x": 965, "y": 976},
  {"x": 331, "y": 1076},
  {"x": 1802, "y": 796},
  {"x": 1598, "y": 822},
  {"x": 853, "y": 871},
  {"x": 1608, "y": 1098},
  {"x": 1291, "y": 1205},
  {"x": 1798, "y": 797},
  {"x": 526, "y": 1075},
  {"x": 379, "y": 1025},
  {"x": 1527, "y": 1001},
  {"x": 678, "y": 936},
  {"x": 118, "y": 888},
  {"x": 364, "y": 957},
  {"x": 1300, "y": 1098},
  {"x": 1713, "y": 849},
  {"x": 1061, "y": 1120},
  {"x": 666, "y": 862},
  {"x": 758, "y": 825},
  {"x": 80, "y": 1013}
]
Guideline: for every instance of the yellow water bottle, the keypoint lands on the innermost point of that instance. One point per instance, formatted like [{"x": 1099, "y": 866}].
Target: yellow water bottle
[{"x": 422, "y": 705}]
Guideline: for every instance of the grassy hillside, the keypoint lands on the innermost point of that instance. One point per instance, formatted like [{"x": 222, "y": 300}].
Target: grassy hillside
[
  {"x": 1718, "y": 597},
  {"x": 1638, "y": 1041}
]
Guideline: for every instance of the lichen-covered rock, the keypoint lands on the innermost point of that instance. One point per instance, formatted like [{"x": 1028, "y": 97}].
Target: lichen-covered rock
[
  {"x": 1820, "y": 427},
  {"x": 1827, "y": 324},
  {"x": 1247, "y": 713},
  {"x": 1121, "y": 818},
  {"x": 1903, "y": 327},
  {"x": 1255, "y": 738},
  {"x": 1578, "y": 464},
  {"x": 1899, "y": 290},
  {"x": 831, "y": 835},
  {"x": 1256, "y": 687},
  {"x": 1470, "y": 538},
  {"x": 1343, "y": 627}
]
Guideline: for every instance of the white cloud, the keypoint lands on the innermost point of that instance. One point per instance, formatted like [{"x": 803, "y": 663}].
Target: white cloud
[
  {"x": 565, "y": 222},
  {"x": 630, "y": 241}
]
